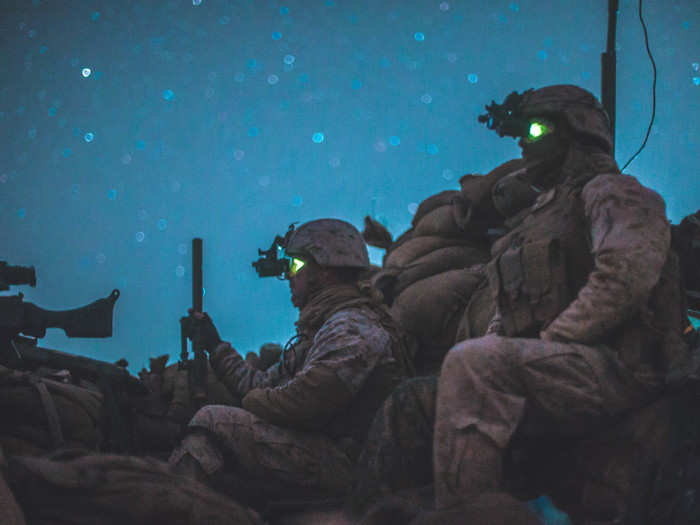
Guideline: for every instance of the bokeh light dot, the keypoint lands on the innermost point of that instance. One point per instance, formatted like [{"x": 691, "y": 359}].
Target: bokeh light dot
[
  {"x": 420, "y": 37},
  {"x": 473, "y": 78},
  {"x": 284, "y": 10},
  {"x": 380, "y": 146},
  {"x": 413, "y": 208},
  {"x": 168, "y": 95},
  {"x": 179, "y": 270},
  {"x": 426, "y": 98},
  {"x": 273, "y": 79},
  {"x": 112, "y": 194},
  {"x": 696, "y": 81},
  {"x": 289, "y": 59},
  {"x": 444, "y": 6},
  {"x": 162, "y": 224},
  {"x": 514, "y": 7},
  {"x": 238, "y": 154},
  {"x": 95, "y": 16},
  {"x": 542, "y": 54},
  {"x": 196, "y": 2},
  {"x": 447, "y": 174},
  {"x": 318, "y": 137},
  {"x": 86, "y": 72},
  {"x": 432, "y": 149},
  {"x": 696, "y": 66},
  {"x": 394, "y": 140},
  {"x": 334, "y": 162},
  {"x": 276, "y": 35},
  {"x": 140, "y": 236},
  {"x": 89, "y": 137},
  {"x": 253, "y": 132},
  {"x": 126, "y": 159}
]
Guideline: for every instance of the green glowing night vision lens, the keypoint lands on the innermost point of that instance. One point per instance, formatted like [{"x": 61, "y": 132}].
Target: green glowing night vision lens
[
  {"x": 295, "y": 266},
  {"x": 538, "y": 129}
]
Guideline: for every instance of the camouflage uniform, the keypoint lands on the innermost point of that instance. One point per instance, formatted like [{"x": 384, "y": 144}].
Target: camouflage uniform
[
  {"x": 588, "y": 314},
  {"x": 303, "y": 420}
]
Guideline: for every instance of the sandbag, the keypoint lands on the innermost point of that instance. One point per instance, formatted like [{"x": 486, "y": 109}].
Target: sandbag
[
  {"x": 41, "y": 414},
  {"x": 431, "y": 309},
  {"x": 440, "y": 221},
  {"x": 117, "y": 490},
  {"x": 438, "y": 261},
  {"x": 10, "y": 512},
  {"x": 444, "y": 198},
  {"x": 416, "y": 247}
]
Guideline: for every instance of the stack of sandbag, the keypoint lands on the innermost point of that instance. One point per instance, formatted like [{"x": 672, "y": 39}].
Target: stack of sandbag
[
  {"x": 116, "y": 490},
  {"x": 430, "y": 272},
  {"x": 160, "y": 415},
  {"x": 41, "y": 414}
]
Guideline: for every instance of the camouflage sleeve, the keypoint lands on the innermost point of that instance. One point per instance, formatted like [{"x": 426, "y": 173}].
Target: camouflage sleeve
[
  {"x": 345, "y": 351},
  {"x": 238, "y": 375},
  {"x": 630, "y": 238}
]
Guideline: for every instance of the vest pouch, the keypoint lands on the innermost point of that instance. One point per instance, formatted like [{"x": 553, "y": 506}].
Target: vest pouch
[{"x": 531, "y": 286}]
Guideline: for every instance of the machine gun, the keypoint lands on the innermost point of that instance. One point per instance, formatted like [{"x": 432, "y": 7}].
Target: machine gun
[{"x": 92, "y": 320}]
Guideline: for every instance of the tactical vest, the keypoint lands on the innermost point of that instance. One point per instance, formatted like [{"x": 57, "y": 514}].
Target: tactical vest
[{"x": 538, "y": 268}]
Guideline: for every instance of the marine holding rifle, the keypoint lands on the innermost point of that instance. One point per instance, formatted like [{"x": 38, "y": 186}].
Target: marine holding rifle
[{"x": 304, "y": 419}]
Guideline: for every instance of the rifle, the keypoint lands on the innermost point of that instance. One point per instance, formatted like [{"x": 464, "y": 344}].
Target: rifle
[{"x": 196, "y": 367}]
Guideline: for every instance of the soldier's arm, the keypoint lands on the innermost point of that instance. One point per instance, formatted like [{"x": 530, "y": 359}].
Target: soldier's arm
[
  {"x": 238, "y": 375},
  {"x": 345, "y": 351},
  {"x": 630, "y": 238}
]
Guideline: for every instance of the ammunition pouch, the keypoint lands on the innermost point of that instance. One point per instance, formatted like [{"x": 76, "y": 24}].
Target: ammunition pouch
[{"x": 530, "y": 286}]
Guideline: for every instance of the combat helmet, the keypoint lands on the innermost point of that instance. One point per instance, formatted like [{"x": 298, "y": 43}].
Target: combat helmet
[
  {"x": 581, "y": 110},
  {"x": 331, "y": 242}
]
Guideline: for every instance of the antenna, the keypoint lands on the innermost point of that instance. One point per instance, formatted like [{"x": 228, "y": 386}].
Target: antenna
[{"x": 609, "y": 68}]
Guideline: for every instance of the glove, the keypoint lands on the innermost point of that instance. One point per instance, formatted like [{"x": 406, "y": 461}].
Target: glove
[{"x": 200, "y": 329}]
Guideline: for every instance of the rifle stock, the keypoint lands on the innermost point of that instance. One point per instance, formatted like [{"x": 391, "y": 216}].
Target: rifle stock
[{"x": 91, "y": 320}]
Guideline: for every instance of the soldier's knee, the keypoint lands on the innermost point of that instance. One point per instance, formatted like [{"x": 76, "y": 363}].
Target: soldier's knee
[
  {"x": 474, "y": 355},
  {"x": 211, "y": 416}
]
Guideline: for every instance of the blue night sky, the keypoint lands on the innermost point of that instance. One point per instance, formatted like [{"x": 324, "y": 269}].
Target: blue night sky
[{"x": 128, "y": 128}]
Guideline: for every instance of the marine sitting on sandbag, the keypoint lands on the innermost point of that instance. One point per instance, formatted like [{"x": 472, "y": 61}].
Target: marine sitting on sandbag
[
  {"x": 430, "y": 272},
  {"x": 304, "y": 420}
]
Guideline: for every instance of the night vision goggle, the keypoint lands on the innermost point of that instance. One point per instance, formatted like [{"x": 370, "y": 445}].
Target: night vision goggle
[
  {"x": 275, "y": 262},
  {"x": 506, "y": 119}
]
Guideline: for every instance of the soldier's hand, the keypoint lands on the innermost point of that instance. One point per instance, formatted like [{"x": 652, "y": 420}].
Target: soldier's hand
[{"x": 200, "y": 329}]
